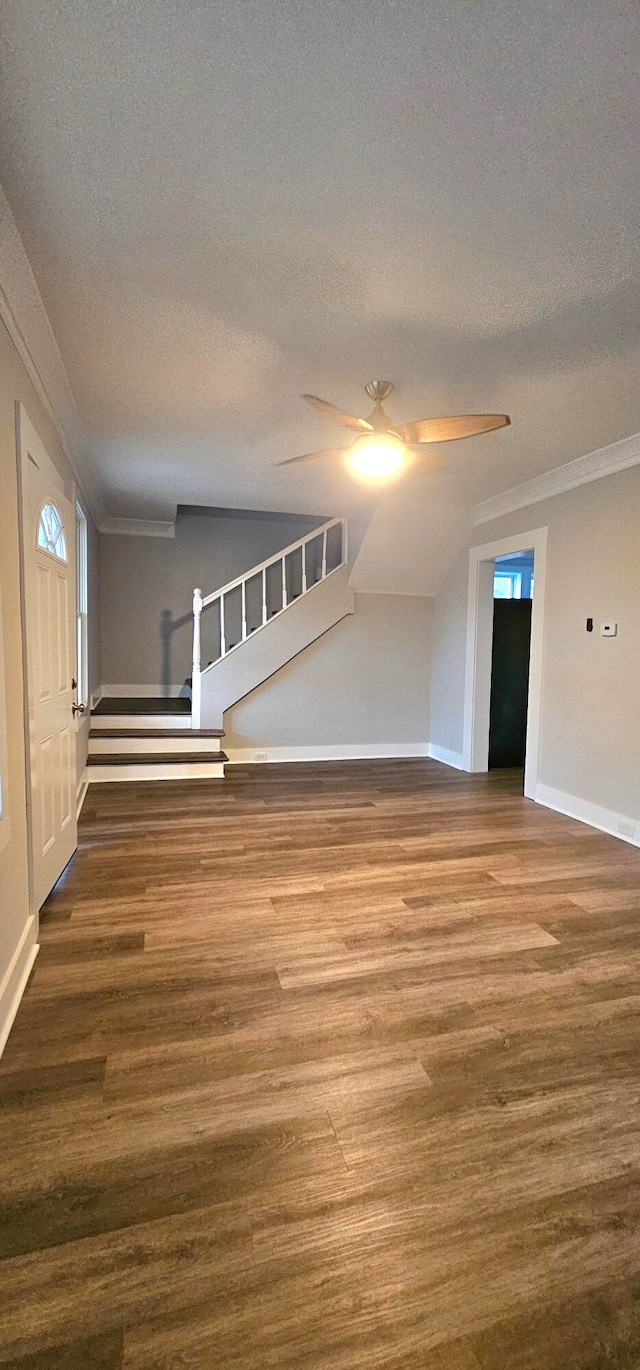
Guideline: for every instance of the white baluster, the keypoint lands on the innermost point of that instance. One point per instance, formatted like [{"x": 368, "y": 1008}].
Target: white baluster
[
  {"x": 318, "y": 573},
  {"x": 196, "y": 677}
]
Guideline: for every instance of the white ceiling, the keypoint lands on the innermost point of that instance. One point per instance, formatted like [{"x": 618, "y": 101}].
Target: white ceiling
[{"x": 228, "y": 203}]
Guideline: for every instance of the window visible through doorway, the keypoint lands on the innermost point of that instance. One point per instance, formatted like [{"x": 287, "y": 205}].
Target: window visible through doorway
[
  {"x": 82, "y": 595},
  {"x": 507, "y": 585},
  {"x": 513, "y": 576}
]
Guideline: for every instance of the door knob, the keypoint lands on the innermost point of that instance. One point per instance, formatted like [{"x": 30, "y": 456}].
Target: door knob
[{"x": 78, "y": 709}]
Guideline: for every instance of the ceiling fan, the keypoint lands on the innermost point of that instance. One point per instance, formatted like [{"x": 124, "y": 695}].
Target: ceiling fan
[{"x": 384, "y": 449}]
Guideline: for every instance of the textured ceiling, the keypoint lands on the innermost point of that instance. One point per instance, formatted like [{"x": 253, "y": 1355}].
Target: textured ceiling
[{"x": 226, "y": 204}]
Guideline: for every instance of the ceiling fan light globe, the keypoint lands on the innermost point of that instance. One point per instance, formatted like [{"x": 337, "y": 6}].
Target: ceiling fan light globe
[{"x": 377, "y": 457}]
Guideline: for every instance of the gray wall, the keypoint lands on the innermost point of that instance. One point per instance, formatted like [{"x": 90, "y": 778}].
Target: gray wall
[
  {"x": 448, "y": 657},
  {"x": 365, "y": 682},
  {"x": 147, "y": 588},
  {"x": 590, "y": 724}
]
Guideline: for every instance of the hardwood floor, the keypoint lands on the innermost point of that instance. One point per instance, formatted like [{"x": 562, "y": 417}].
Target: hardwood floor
[{"x": 327, "y": 1067}]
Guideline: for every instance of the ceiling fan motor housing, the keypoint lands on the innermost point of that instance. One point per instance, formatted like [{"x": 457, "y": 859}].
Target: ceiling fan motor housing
[{"x": 378, "y": 390}]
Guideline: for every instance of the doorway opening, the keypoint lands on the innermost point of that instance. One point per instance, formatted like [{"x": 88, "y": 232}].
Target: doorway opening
[
  {"x": 513, "y": 585},
  {"x": 499, "y": 571}
]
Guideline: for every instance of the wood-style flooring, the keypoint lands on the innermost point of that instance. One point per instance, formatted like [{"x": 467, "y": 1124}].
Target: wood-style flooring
[{"x": 327, "y": 1067}]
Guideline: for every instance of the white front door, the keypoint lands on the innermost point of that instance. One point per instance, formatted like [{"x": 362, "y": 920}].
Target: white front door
[{"x": 48, "y": 529}]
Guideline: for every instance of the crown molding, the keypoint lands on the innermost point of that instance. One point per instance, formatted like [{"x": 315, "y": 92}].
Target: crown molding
[
  {"x": 594, "y": 466},
  {"x": 138, "y": 528},
  {"x": 26, "y": 320}
]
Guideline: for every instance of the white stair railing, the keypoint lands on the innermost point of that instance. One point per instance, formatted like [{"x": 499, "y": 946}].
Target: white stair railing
[
  {"x": 196, "y": 674},
  {"x": 329, "y": 561}
]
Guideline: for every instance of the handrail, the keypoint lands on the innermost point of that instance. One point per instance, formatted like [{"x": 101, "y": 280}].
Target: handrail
[
  {"x": 200, "y": 602},
  {"x": 264, "y": 565}
]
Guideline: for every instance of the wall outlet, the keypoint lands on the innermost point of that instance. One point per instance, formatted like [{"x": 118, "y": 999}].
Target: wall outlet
[
  {"x": 608, "y": 629},
  {"x": 259, "y": 756},
  {"x": 626, "y": 829}
]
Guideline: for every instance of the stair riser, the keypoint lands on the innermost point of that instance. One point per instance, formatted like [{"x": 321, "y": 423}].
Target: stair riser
[
  {"x": 103, "y": 746},
  {"x": 139, "y": 722},
  {"x": 156, "y": 771}
]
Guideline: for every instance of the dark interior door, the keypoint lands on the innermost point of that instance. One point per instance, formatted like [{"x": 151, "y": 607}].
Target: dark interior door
[{"x": 509, "y": 681}]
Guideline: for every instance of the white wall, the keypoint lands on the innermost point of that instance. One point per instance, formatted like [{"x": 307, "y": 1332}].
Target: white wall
[
  {"x": 590, "y": 723},
  {"x": 417, "y": 529},
  {"x": 364, "y": 685}
]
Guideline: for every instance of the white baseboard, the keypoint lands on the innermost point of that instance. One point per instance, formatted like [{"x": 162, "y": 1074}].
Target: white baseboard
[
  {"x": 14, "y": 982},
  {"x": 617, "y": 824},
  {"x": 364, "y": 751},
  {"x": 83, "y": 785},
  {"x": 141, "y": 691},
  {"x": 447, "y": 757}
]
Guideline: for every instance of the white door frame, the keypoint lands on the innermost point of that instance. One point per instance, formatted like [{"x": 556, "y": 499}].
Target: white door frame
[
  {"x": 28, "y": 438},
  {"x": 477, "y": 685}
]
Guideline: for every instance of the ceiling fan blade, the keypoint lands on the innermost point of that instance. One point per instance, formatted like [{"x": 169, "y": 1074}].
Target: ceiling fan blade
[
  {"x": 450, "y": 428},
  {"x": 330, "y": 453},
  {"x": 332, "y": 412}
]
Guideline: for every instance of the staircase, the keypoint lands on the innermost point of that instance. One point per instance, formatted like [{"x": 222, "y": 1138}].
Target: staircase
[
  {"x": 253, "y": 626},
  {"x": 151, "y": 739},
  {"x": 264, "y": 619}
]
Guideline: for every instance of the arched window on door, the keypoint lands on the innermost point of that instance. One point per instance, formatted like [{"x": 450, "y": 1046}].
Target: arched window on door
[{"x": 51, "y": 536}]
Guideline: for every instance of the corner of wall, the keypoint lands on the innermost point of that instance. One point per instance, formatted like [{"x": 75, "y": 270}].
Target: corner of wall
[{"x": 606, "y": 820}]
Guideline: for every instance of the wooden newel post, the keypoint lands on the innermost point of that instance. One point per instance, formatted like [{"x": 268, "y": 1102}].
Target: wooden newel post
[{"x": 196, "y": 679}]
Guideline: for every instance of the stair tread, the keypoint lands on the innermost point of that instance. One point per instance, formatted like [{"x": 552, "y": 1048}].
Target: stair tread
[
  {"x": 156, "y": 732},
  {"x": 116, "y": 705},
  {"x": 154, "y": 758}
]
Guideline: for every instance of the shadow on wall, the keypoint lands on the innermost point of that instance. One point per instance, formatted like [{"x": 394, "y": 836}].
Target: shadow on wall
[
  {"x": 169, "y": 626},
  {"x": 176, "y": 641}
]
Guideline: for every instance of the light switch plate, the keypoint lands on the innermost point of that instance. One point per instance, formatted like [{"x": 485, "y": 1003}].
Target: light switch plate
[{"x": 608, "y": 630}]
